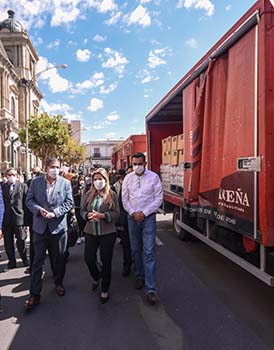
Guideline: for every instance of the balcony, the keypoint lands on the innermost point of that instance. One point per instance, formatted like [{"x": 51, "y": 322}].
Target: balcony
[{"x": 96, "y": 155}]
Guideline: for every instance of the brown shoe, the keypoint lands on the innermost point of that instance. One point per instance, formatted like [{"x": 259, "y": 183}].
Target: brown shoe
[
  {"x": 60, "y": 290},
  {"x": 151, "y": 298},
  {"x": 32, "y": 301}
]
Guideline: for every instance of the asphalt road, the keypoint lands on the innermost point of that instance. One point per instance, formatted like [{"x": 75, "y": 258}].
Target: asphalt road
[{"x": 206, "y": 303}]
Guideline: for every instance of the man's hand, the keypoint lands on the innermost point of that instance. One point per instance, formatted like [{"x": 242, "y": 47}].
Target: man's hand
[
  {"x": 50, "y": 215},
  {"x": 47, "y": 214},
  {"x": 138, "y": 216},
  {"x": 1, "y": 234}
]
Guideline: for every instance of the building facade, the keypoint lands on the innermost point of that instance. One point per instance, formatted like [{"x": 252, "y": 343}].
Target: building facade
[
  {"x": 121, "y": 156},
  {"x": 99, "y": 153},
  {"x": 19, "y": 94}
]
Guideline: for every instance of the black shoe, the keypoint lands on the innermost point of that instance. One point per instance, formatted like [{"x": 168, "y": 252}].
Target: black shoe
[
  {"x": 151, "y": 298},
  {"x": 126, "y": 271},
  {"x": 139, "y": 283},
  {"x": 26, "y": 262}
]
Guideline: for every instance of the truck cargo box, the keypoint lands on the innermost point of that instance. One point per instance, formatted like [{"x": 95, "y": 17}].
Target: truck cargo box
[{"x": 224, "y": 106}]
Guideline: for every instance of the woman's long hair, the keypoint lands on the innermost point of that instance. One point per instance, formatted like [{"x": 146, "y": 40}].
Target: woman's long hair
[{"x": 106, "y": 192}]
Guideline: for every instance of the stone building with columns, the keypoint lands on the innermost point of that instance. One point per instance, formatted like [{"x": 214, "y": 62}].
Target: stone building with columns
[{"x": 19, "y": 93}]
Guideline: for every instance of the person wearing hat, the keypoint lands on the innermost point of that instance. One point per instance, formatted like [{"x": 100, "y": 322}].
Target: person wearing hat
[{"x": 122, "y": 225}]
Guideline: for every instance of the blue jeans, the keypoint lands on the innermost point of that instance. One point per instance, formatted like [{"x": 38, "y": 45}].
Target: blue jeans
[{"x": 143, "y": 235}]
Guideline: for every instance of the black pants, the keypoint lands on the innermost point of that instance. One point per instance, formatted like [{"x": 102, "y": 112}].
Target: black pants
[
  {"x": 56, "y": 245},
  {"x": 18, "y": 231},
  {"x": 124, "y": 235},
  {"x": 80, "y": 221},
  {"x": 106, "y": 244}
]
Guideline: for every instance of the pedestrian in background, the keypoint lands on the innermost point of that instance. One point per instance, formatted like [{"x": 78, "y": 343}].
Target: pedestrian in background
[
  {"x": 142, "y": 195},
  {"x": 14, "y": 196},
  {"x": 78, "y": 191},
  {"x": 49, "y": 199},
  {"x": 122, "y": 225},
  {"x": 100, "y": 209}
]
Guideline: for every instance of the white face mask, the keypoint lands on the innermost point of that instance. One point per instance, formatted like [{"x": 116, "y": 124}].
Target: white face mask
[
  {"x": 12, "y": 179},
  {"x": 81, "y": 183},
  {"x": 139, "y": 169},
  {"x": 53, "y": 173},
  {"x": 99, "y": 184}
]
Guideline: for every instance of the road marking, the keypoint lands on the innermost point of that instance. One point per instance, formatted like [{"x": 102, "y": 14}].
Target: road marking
[{"x": 158, "y": 241}]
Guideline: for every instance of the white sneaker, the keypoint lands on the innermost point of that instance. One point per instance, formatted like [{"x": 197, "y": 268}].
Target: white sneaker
[
  {"x": 83, "y": 239},
  {"x": 79, "y": 240}
]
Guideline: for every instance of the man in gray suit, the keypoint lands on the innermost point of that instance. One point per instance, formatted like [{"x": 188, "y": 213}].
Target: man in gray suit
[{"x": 49, "y": 199}]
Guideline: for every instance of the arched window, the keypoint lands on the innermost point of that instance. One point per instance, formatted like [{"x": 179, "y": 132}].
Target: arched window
[{"x": 12, "y": 107}]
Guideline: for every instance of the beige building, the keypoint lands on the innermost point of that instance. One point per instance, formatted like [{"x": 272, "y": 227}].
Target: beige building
[
  {"x": 19, "y": 94},
  {"x": 99, "y": 153},
  {"x": 75, "y": 128}
]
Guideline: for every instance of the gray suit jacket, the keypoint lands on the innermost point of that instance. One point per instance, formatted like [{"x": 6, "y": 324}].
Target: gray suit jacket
[{"x": 60, "y": 203}]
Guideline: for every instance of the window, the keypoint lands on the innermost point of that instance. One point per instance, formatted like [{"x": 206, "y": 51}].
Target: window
[
  {"x": 12, "y": 107},
  {"x": 96, "y": 152}
]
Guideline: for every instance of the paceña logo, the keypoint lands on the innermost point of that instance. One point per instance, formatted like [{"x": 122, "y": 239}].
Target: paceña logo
[{"x": 234, "y": 196}]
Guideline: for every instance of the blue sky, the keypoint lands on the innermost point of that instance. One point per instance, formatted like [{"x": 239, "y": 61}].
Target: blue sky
[{"x": 122, "y": 56}]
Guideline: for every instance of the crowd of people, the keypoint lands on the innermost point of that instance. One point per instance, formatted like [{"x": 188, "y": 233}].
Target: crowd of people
[{"x": 105, "y": 204}]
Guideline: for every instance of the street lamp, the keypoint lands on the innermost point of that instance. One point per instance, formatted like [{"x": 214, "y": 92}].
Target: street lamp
[
  {"x": 13, "y": 142},
  {"x": 28, "y": 84}
]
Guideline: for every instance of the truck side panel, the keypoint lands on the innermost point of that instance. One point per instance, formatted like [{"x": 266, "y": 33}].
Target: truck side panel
[{"x": 218, "y": 131}]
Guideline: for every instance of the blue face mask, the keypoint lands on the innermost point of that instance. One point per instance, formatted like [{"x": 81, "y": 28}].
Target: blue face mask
[{"x": 99, "y": 184}]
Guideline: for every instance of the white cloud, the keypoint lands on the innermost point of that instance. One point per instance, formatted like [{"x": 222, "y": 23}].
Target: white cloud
[
  {"x": 95, "y": 104},
  {"x": 144, "y": 1},
  {"x": 228, "y": 7},
  {"x": 65, "y": 13},
  {"x": 113, "y": 116},
  {"x": 99, "y": 38},
  {"x": 147, "y": 77},
  {"x": 102, "y": 6},
  {"x": 97, "y": 79},
  {"x": 155, "y": 57},
  {"x": 54, "y": 108},
  {"x": 109, "y": 120},
  {"x": 206, "y": 5},
  {"x": 139, "y": 16},
  {"x": 85, "y": 41},
  {"x": 115, "y": 60},
  {"x": 55, "y": 82},
  {"x": 53, "y": 44},
  {"x": 107, "y": 90},
  {"x": 83, "y": 55},
  {"x": 192, "y": 42},
  {"x": 115, "y": 16}
]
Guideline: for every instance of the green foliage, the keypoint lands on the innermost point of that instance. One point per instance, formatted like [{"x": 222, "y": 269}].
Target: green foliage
[{"x": 49, "y": 137}]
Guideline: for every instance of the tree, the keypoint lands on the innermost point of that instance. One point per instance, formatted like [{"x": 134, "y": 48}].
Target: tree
[
  {"x": 47, "y": 136},
  {"x": 72, "y": 153}
]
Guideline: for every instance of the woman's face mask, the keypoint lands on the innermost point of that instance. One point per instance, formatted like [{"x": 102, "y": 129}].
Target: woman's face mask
[
  {"x": 82, "y": 182},
  {"x": 99, "y": 184}
]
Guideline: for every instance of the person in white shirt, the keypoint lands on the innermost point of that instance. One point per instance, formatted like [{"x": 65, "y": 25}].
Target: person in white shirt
[{"x": 142, "y": 195}]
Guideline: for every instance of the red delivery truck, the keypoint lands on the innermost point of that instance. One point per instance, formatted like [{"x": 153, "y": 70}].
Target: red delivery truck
[{"x": 211, "y": 137}]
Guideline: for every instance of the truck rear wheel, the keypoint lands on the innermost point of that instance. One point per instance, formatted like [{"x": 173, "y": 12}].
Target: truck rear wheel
[{"x": 180, "y": 232}]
